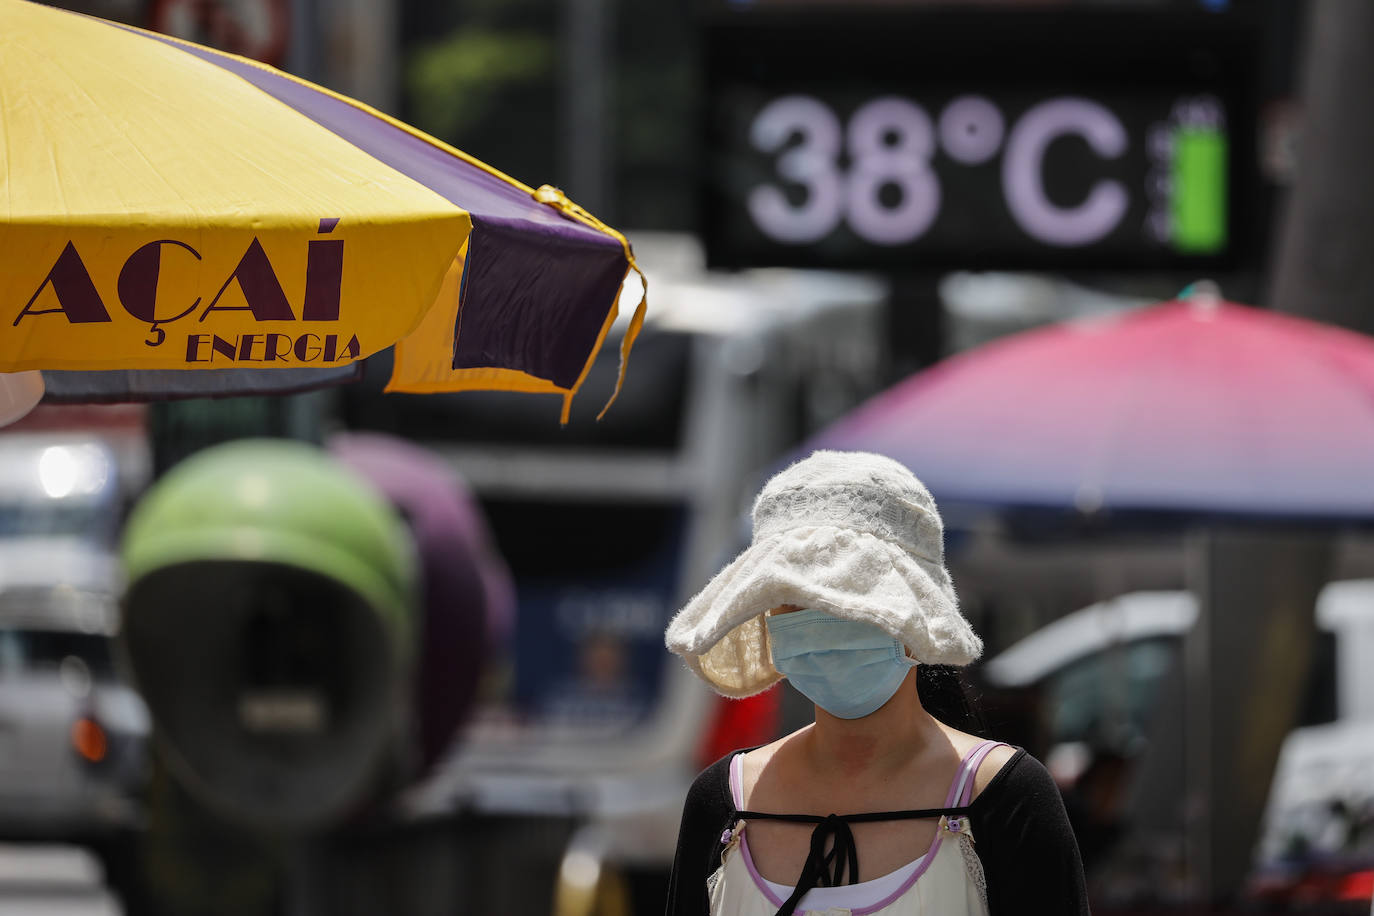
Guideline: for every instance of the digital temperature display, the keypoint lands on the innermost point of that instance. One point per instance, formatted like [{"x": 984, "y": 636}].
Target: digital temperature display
[{"x": 850, "y": 164}]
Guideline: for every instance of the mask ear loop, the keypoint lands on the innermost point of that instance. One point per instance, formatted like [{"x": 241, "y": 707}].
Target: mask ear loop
[
  {"x": 768, "y": 642},
  {"x": 768, "y": 637}
]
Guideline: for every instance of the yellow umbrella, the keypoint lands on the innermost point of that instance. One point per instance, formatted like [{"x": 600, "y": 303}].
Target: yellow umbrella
[{"x": 167, "y": 209}]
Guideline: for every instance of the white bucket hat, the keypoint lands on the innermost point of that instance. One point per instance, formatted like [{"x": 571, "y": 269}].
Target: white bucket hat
[{"x": 852, "y": 534}]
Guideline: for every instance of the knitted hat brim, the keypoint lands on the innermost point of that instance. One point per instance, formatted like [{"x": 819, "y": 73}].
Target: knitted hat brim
[{"x": 851, "y": 574}]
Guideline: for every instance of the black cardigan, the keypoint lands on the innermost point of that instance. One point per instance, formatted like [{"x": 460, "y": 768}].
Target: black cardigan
[{"x": 1022, "y": 837}]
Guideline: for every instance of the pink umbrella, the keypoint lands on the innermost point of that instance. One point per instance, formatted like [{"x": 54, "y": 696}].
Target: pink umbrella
[{"x": 1197, "y": 407}]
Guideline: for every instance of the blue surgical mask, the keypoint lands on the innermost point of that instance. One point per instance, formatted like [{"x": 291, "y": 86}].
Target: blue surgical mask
[{"x": 845, "y": 667}]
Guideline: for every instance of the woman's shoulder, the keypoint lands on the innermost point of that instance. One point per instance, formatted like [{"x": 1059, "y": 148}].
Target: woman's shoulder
[
  {"x": 994, "y": 762},
  {"x": 716, "y": 773},
  {"x": 1015, "y": 778},
  {"x": 759, "y": 755},
  {"x": 993, "y": 765},
  {"x": 763, "y": 761},
  {"x": 711, "y": 787}
]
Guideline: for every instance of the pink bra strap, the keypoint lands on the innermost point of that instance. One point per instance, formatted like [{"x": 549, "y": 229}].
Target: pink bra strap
[
  {"x": 961, "y": 789},
  {"x": 737, "y": 780}
]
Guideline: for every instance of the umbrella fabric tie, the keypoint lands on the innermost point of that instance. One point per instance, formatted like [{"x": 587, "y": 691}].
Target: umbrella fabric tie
[
  {"x": 554, "y": 197},
  {"x": 833, "y": 859}
]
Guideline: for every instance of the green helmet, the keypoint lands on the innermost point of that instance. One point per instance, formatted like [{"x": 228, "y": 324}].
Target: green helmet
[
  {"x": 268, "y": 622},
  {"x": 278, "y": 501}
]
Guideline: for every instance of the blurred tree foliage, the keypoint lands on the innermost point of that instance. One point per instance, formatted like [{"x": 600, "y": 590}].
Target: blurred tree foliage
[
  {"x": 489, "y": 76},
  {"x": 457, "y": 84},
  {"x": 482, "y": 75}
]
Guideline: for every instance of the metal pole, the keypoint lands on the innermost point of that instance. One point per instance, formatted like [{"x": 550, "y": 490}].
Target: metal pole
[
  {"x": 1323, "y": 268},
  {"x": 586, "y": 154},
  {"x": 1197, "y": 720},
  {"x": 1246, "y": 664}
]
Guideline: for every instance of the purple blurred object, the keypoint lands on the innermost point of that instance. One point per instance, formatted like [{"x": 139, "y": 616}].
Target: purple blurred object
[{"x": 468, "y": 600}]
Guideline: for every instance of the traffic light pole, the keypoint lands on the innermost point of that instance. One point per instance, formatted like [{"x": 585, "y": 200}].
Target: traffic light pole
[{"x": 1323, "y": 267}]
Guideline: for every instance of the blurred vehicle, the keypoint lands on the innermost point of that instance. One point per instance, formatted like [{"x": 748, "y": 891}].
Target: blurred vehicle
[
  {"x": 73, "y": 735},
  {"x": 1104, "y": 682},
  {"x": 1316, "y": 848},
  {"x": 1316, "y": 852},
  {"x": 63, "y": 484},
  {"x": 586, "y": 738},
  {"x": 1098, "y": 669}
]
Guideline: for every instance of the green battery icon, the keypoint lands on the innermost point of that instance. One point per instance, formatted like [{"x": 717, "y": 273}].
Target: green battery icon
[{"x": 1198, "y": 200}]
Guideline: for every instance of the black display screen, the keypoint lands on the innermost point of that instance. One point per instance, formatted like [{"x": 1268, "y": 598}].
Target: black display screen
[{"x": 1008, "y": 139}]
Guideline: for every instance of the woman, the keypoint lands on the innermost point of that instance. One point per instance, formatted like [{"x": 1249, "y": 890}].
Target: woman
[{"x": 878, "y": 807}]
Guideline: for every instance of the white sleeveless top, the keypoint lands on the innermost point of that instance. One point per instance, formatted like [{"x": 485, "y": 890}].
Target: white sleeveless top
[{"x": 947, "y": 880}]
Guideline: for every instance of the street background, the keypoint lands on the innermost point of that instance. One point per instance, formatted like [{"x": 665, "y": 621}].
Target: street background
[{"x": 826, "y": 198}]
